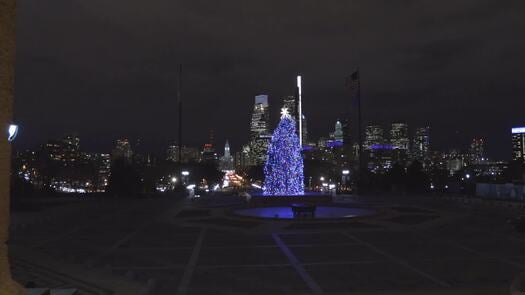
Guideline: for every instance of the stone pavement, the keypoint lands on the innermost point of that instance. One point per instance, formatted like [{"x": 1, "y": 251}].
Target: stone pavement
[{"x": 166, "y": 246}]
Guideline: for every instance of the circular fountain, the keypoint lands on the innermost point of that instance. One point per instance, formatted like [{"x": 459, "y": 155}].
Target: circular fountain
[
  {"x": 321, "y": 212},
  {"x": 283, "y": 191}
]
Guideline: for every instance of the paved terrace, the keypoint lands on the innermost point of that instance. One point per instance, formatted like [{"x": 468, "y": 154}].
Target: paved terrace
[{"x": 416, "y": 245}]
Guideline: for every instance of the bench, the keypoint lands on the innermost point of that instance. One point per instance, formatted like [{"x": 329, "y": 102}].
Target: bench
[{"x": 303, "y": 210}]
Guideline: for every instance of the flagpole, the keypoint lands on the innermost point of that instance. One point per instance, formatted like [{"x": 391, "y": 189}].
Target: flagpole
[
  {"x": 359, "y": 132},
  {"x": 300, "y": 108},
  {"x": 179, "y": 103}
]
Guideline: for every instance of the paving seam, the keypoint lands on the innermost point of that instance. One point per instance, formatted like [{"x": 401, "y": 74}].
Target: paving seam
[
  {"x": 399, "y": 261},
  {"x": 310, "y": 282}
]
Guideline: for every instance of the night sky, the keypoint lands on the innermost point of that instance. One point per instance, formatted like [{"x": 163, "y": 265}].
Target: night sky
[{"x": 108, "y": 68}]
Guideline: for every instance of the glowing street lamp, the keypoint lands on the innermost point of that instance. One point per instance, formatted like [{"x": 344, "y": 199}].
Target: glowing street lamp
[
  {"x": 174, "y": 179},
  {"x": 12, "y": 131}
]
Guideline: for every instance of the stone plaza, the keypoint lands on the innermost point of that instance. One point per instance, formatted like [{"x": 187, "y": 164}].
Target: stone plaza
[{"x": 170, "y": 245}]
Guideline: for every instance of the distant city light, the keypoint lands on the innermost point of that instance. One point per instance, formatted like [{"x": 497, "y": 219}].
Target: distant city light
[
  {"x": 185, "y": 173},
  {"x": 174, "y": 179},
  {"x": 467, "y": 176},
  {"x": 346, "y": 172},
  {"x": 12, "y": 131},
  {"x": 518, "y": 130},
  {"x": 256, "y": 186},
  {"x": 191, "y": 186},
  {"x": 321, "y": 178}
]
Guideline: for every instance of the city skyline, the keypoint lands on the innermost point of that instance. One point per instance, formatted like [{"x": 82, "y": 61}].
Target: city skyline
[{"x": 424, "y": 72}]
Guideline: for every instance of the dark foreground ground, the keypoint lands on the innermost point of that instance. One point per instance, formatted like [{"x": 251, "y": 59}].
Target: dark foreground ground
[{"x": 414, "y": 245}]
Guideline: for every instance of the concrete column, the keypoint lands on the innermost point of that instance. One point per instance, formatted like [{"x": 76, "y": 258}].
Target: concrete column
[{"x": 7, "y": 76}]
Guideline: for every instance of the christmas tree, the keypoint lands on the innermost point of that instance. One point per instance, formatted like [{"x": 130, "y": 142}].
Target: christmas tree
[{"x": 284, "y": 165}]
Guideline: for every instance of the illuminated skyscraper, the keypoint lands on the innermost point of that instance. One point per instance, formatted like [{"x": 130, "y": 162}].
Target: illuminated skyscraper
[
  {"x": 399, "y": 136},
  {"x": 476, "y": 151},
  {"x": 71, "y": 149},
  {"x": 189, "y": 154},
  {"x": 518, "y": 144},
  {"x": 122, "y": 150},
  {"x": 374, "y": 135},
  {"x": 260, "y": 124},
  {"x": 290, "y": 103},
  {"x": 172, "y": 153},
  {"x": 421, "y": 144},
  {"x": 260, "y": 131}
]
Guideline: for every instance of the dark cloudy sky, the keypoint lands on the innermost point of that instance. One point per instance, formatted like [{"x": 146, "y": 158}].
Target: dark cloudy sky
[{"x": 107, "y": 68}]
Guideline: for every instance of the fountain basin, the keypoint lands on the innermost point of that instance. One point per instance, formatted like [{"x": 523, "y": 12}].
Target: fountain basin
[{"x": 321, "y": 212}]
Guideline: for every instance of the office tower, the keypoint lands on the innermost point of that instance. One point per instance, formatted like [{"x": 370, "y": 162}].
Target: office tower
[
  {"x": 260, "y": 131},
  {"x": 102, "y": 163},
  {"x": 260, "y": 124},
  {"x": 518, "y": 144},
  {"x": 421, "y": 144},
  {"x": 374, "y": 135},
  {"x": 71, "y": 149},
  {"x": 122, "y": 151},
  {"x": 289, "y": 102},
  {"x": 53, "y": 150},
  {"x": 476, "y": 151},
  {"x": 172, "y": 153},
  {"x": 188, "y": 154},
  {"x": 399, "y": 136}
]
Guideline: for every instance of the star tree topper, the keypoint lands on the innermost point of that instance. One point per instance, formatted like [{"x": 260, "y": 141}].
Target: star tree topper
[{"x": 284, "y": 112}]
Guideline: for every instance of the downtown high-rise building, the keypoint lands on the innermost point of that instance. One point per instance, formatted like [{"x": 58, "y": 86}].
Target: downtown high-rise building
[
  {"x": 290, "y": 103},
  {"x": 260, "y": 124},
  {"x": 65, "y": 150},
  {"x": 122, "y": 151},
  {"x": 476, "y": 150},
  {"x": 259, "y": 131},
  {"x": 71, "y": 149},
  {"x": 399, "y": 136},
  {"x": 374, "y": 135},
  {"x": 421, "y": 144},
  {"x": 188, "y": 154},
  {"x": 518, "y": 144}
]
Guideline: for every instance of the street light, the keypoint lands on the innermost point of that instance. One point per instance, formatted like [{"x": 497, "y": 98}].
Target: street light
[
  {"x": 321, "y": 178},
  {"x": 174, "y": 179},
  {"x": 12, "y": 131},
  {"x": 467, "y": 176},
  {"x": 346, "y": 172},
  {"x": 185, "y": 173}
]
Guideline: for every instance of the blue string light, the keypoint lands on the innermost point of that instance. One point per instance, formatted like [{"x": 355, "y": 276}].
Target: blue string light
[{"x": 284, "y": 166}]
